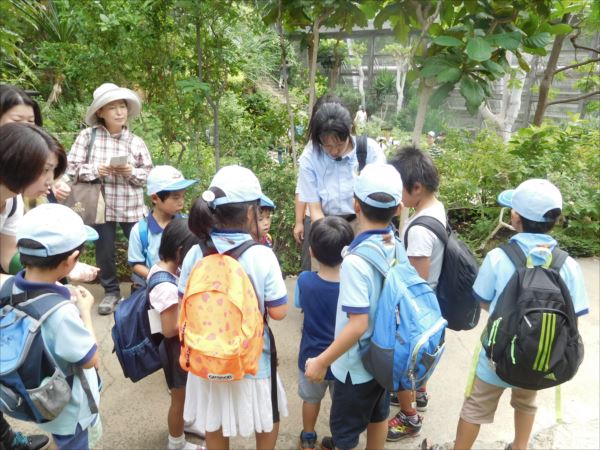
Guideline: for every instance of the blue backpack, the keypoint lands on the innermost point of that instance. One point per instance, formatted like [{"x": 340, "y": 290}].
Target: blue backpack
[
  {"x": 408, "y": 329},
  {"x": 136, "y": 347},
  {"x": 32, "y": 385}
]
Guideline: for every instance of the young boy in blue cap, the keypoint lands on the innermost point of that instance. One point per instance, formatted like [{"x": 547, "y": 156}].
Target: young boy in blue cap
[
  {"x": 50, "y": 239},
  {"x": 166, "y": 187},
  {"x": 359, "y": 402}
]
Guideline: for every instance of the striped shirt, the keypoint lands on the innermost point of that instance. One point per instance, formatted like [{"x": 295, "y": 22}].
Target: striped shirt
[{"x": 124, "y": 197}]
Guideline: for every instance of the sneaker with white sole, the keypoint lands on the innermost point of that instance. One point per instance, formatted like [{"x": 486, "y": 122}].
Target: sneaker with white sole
[{"x": 108, "y": 304}]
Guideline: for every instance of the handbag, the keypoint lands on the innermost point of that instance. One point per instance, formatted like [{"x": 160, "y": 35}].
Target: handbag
[{"x": 87, "y": 197}]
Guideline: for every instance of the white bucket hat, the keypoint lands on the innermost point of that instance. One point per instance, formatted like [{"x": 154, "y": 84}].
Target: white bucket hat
[{"x": 109, "y": 92}]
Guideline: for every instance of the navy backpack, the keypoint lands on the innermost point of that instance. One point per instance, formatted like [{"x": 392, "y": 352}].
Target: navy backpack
[{"x": 136, "y": 347}]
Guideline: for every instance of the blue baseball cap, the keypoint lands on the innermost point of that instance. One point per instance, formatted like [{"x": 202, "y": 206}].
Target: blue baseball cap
[
  {"x": 532, "y": 199},
  {"x": 166, "y": 178},
  {"x": 239, "y": 185},
  {"x": 266, "y": 202},
  {"x": 56, "y": 227},
  {"x": 379, "y": 179}
]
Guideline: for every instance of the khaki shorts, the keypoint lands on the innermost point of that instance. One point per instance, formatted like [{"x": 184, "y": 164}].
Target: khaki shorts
[{"x": 481, "y": 406}]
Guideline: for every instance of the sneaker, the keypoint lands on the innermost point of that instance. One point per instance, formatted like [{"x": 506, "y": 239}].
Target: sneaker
[
  {"x": 108, "y": 304},
  {"x": 32, "y": 442},
  {"x": 394, "y": 399},
  {"x": 422, "y": 400},
  {"x": 327, "y": 443},
  {"x": 308, "y": 440},
  {"x": 400, "y": 427}
]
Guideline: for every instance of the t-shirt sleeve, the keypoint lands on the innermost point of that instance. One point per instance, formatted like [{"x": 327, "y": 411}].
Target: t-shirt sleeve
[
  {"x": 355, "y": 285},
  {"x": 485, "y": 283},
  {"x": 297, "y": 292},
  {"x": 573, "y": 277},
  {"x": 307, "y": 178},
  {"x": 163, "y": 296},
  {"x": 420, "y": 241},
  {"x": 275, "y": 290},
  {"x": 135, "y": 255},
  {"x": 9, "y": 228},
  {"x": 72, "y": 341},
  {"x": 189, "y": 262}
]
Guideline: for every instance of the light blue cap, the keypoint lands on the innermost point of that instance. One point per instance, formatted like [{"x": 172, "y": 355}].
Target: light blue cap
[
  {"x": 266, "y": 202},
  {"x": 166, "y": 178},
  {"x": 56, "y": 227},
  {"x": 239, "y": 185},
  {"x": 532, "y": 199},
  {"x": 379, "y": 178}
]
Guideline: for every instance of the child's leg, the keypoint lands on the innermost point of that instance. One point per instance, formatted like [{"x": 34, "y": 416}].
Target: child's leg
[
  {"x": 216, "y": 441},
  {"x": 523, "y": 402},
  {"x": 406, "y": 398},
  {"x": 267, "y": 441},
  {"x": 376, "y": 434},
  {"x": 466, "y": 433},
  {"x": 310, "y": 413},
  {"x": 175, "y": 416}
]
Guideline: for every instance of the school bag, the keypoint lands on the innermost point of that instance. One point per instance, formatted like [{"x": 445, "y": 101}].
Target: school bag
[
  {"x": 454, "y": 291},
  {"x": 32, "y": 385},
  {"x": 408, "y": 327},
  {"x": 531, "y": 337},
  {"x": 221, "y": 326},
  {"x": 136, "y": 347}
]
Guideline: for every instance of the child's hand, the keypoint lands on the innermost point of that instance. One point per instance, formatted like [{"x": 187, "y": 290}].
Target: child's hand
[
  {"x": 314, "y": 370},
  {"x": 83, "y": 299},
  {"x": 124, "y": 171},
  {"x": 83, "y": 272}
]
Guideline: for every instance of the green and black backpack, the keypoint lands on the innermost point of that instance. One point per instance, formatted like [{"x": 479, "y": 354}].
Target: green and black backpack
[{"x": 531, "y": 337}]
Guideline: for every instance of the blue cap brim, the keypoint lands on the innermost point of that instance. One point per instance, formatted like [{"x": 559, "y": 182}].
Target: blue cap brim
[
  {"x": 178, "y": 186},
  {"x": 266, "y": 202},
  {"x": 91, "y": 234},
  {"x": 505, "y": 198}
]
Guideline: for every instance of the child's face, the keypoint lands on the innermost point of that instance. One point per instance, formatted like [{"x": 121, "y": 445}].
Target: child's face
[
  {"x": 264, "y": 222},
  {"x": 172, "y": 205},
  {"x": 114, "y": 115},
  {"x": 42, "y": 184}
]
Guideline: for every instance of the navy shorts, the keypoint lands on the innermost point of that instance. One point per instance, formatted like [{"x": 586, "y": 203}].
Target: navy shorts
[{"x": 353, "y": 408}]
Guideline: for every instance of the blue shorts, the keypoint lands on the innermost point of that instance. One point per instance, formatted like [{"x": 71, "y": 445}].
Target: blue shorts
[
  {"x": 77, "y": 441},
  {"x": 312, "y": 392},
  {"x": 353, "y": 408}
]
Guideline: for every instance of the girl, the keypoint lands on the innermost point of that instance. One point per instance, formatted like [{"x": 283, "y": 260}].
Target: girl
[
  {"x": 176, "y": 241},
  {"x": 107, "y": 117},
  {"x": 227, "y": 214}
]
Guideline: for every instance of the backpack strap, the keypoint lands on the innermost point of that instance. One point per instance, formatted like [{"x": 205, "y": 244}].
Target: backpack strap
[
  {"x": 6, "y": 291},
  {"x": 143, "y": 231},
  {"x": 237, "y": 252},
  {"x": 361, "y": 152},
  {"x": 515, "y": 254},
  {"x": 160, "y": 277},
  {"x": 207, "y": 247},
  {"x": 13, "y": 207},
  {"x": 433, "y": 225},
  {"x": 559, "y": 257}
]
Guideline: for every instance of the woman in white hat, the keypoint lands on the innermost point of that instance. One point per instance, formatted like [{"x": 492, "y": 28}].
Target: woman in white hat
[{"x": 90, "y": 160}]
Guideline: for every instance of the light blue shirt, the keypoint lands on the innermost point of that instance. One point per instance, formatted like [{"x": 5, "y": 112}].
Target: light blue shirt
[
  {"x": 496, "y": 271},
  {"x": 327, "y": 181},
  {"x": 69, "y": 343},
  {"x": 262, "y": 268},
  {"x": 135, "y": 250},
  {"x": 360, "y": 288}
]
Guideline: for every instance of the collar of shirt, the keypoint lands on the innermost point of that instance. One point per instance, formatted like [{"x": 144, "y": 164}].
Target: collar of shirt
[
  {"x": 123, "y": 134},
  {"x": 33, "y": 286},
  {"x": 528, "y": 241},
  {"x": 367, "y": 234},
  {"x": 153, "y": 225},
  {"x": 225, "y": 240}
]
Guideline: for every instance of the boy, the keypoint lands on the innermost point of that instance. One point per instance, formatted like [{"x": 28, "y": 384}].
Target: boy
[
  {"x": 426, "y": 254},
  {"x": 166, "y": 187},
  {"x": 359, "y": 402},
  {"x": 317, "y": 294},
  {"x": 536, "y": 205},
  {"x": 264, "y": 221},
  {"x": 50, "y": 239}
]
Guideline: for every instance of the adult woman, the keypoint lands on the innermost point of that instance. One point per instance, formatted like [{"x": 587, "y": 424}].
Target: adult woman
[{"x": 110, "y": 137}]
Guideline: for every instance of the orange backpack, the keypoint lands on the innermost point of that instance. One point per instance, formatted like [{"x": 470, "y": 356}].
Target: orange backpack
[{"x": 220, "y": 323}]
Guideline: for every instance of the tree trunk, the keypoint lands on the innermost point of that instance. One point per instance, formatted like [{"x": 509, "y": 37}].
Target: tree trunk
[
  {"x": 546, "y": 82},
  {"x": 216, "y": 141},
  {"x": 425, "y": 91},
  {"x": 312, "y": 64},
  {"x": 286, "y": 90},
  {"x": 400, "y": 81},
  {"x": 361, "y": 84}
]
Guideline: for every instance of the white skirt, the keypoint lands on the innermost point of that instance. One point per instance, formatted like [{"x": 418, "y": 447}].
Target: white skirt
[{"x": 238, "y": 407}]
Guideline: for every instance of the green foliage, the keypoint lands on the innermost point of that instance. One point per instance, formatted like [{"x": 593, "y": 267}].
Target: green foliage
[{"x": 435, "y": 119}]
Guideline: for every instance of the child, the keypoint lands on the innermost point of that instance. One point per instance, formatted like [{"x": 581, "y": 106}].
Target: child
[
  {"x": 50, "y": 239},
  {"x": 425, "y": 252},
  {"x": 107, "y": 117},
  {"x": 317, "y": 294},
  {"x": 359, "y": 402},
  {"x": 536, "y": 205},
  {"x": 166, "y": 187},
  {"x": 175, "y": 242},
  {"x": 227, "y": 215},
  {"x": 264, "y": 222}
]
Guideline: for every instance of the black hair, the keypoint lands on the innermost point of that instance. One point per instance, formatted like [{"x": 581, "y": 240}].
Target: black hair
[
  {"x": 11, "y": 96},
  {"x": 24, "y": 150},
  {"x": 378, "y": 215},
  {"x": 325, "y": 98},
  {"x": 203, "y": 217},
  {"x": 44, "y": 262},
  {"x": 328, "y": 236},
  {"x": 267, "y": 208},
  {"x": 531, "y": 226},
  {"x": 330, "y": 119},
  {"x": 416, "y": 166},
  {"x": 176, "y": 241},
  {"x": 163, "y": 195}
]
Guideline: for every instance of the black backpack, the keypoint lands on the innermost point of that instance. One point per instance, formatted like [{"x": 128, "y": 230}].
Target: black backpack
[
  {"x": 531, "y": 336},
  {"x": 458, "y": 303}
]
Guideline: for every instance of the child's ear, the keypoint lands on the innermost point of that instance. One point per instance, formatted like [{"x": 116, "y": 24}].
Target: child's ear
[
  {"x": 71, "y": 260},
  {"x": 356, "y": 206},
  {"x": 155, "y": 198}
]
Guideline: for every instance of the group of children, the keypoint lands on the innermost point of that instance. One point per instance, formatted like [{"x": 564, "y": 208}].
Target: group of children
[{"x": 339, "y": 302}]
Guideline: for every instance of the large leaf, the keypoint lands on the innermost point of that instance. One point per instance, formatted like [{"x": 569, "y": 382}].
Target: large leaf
[
  {"x": 436, "y": 64},
  {"x": 440, "y": 94},
  {"x": 495, "y": 69},
  {"x": 472, "y": 93},
  {"x": 479, "y": 49},
  {"x": 447, "y": 41},
  {"x": 559, "y": 28},
  {"x": 509, "y": 41},
  {"x": 450, "y": 74},
  {"x": 539, "y": 40},
  {"x": 392, "y": 9}
]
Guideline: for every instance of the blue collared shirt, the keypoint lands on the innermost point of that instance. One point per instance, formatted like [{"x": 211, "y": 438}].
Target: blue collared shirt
[
  {"x": 327, "y": 181},
  {"x": 135, "y": 250},
  {"x": 497, "y": 269}
]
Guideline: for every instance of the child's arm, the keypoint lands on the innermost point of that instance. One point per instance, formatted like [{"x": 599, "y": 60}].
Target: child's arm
[
  {"x": 421, "y": 264},
  {"x": 141, "y": 270},
  {"x": 357, "y": 325},
  {"x": 278, "y": 312},
  {"x": 168, "y": 321},
  {"x": 84, "y": 302},
  {"x": 135, "y": 253}
]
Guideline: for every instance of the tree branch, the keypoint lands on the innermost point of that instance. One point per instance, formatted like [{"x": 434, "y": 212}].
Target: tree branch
[
  {"x": 572, "y": 66},
  {"x": 573, "y": 99}
]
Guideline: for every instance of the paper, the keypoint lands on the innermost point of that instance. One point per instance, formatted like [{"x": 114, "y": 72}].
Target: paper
[
  {"x": 118, "y": 161},
  {"x": 154, "y": 320}
]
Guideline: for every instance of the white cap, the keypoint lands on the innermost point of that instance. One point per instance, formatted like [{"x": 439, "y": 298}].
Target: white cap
[
  {"x": 166, "y": 178},
  {"x": 379, "y": 178},
  {"x": 239, "y": 185},
  {"x": 532, "y": 199}
]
